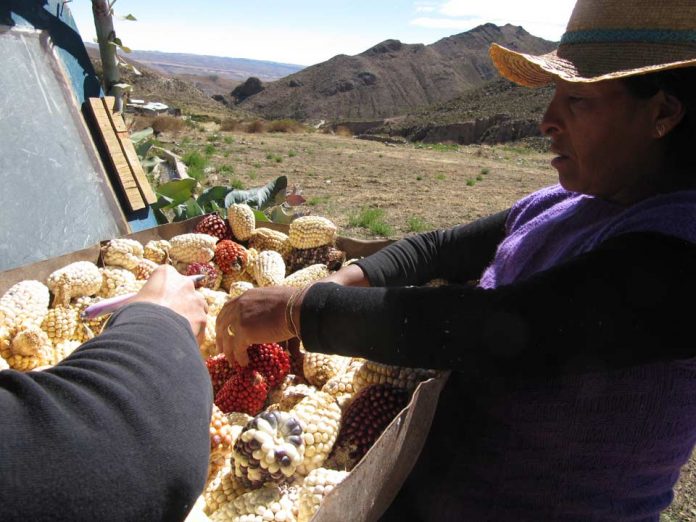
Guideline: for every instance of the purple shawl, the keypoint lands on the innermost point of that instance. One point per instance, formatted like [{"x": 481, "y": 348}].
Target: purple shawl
[{"x": 554, "y": 225}]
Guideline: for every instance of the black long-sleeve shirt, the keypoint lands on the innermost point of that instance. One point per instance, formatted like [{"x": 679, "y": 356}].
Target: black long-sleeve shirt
[
  {"x": 118, "y": 431},
  {"x": 555, "y": 321}
]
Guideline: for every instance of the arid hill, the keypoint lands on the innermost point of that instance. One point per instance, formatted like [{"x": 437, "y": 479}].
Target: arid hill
[{"x": 391, "y": 78}]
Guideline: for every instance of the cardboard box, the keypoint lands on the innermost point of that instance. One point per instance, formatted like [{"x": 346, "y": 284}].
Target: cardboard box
[{"x": 372, "y": 485}]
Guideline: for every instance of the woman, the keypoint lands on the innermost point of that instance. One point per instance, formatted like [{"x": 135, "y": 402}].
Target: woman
[{"x": 573, "y": 391}]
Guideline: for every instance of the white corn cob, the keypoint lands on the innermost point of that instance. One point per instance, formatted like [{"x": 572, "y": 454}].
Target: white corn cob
[
  {"x": 64, "y": 348},
  {"x": 123, "y": 252},
  {"x": 215, "y": 299},
  {"x": 399, "y": 377},
  {"x": 260, "y": 505},
  {"x": 242, "y": 221},
  {"x": 29, "y": 349},
  {"x": 192, "y": 248},
  {"x": 343, "y": 386},
  {"x": 320, "y": 417},
  {"x": 319, "y": 483},
  {"x": 60, "y": 323},
  {"x": 113, "y": 278},
  {"x": 268, "y": 239},
  {"x": 320, "y": 367},
  {"x": 290, "y": 381},
  {"x": 306, "y": 276},
  {"x": 25, "y": 302},
  {"x": 223, "y": 489},
  {"x": 157, "y": 251},
  {"x": 238, "y": 288},
  {"x": 208, "y": 346},
  {"x": 74, "y": 280},
  {"x": 312, "y": 232},
  {"x": 268, "y": 268}
]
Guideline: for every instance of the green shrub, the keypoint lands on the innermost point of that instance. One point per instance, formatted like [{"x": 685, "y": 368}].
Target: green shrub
[
  {"x": 485, "y": 171},
  {"x": 470, "y": 182},
  {"x": 229, "y": 140},
  {"x": 440, "y": 177},
  {"x": 213, "y": 138},
  {"x": 292, "y": 154},
  {"x": 416, "y": 224},
  {"x": 237, "y": 184},
  {"x": 479, "y": 178},
  {"x": 317, "y": 200},
  {"x": 227, "y": 169},
  {"x": 371, "y": 219},
  {"x": 209, "y": 149}
]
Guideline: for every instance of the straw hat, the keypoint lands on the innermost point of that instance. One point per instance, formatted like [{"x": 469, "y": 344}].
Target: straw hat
[{"x": 608, "y": 39}]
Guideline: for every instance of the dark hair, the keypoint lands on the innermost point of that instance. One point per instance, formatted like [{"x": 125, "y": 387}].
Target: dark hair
[{"x": 680, "y": 83}]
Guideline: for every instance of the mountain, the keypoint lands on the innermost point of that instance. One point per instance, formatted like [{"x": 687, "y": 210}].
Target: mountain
[
  {"x": 182, "y": 64},
  {"x": 392, "y": 78}
]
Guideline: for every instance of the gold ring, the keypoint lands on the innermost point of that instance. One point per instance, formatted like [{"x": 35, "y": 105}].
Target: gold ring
[{"x": 229, "y": 331}]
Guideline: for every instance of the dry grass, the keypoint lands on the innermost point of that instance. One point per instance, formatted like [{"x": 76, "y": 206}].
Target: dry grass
[{"x": 170, "y": 124}]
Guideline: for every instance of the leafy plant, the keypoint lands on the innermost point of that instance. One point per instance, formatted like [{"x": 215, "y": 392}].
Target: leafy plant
[
  {"x": 416, "y": 224},
  {"x": 371, "y": 219},
  {"x": 470, "y": 182}
]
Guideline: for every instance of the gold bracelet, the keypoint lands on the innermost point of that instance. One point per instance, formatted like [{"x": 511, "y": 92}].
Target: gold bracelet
[{"x": 289, "y": 321}]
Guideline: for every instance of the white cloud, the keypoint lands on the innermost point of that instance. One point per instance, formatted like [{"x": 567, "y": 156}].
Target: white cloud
[{"x": 544, "y": 18}]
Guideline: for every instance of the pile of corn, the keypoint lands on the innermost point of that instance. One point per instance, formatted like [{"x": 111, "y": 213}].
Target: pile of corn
[{"x": 306, "y": 431}]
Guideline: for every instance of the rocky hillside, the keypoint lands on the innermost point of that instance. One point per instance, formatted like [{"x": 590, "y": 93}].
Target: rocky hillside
[{"x": 391, "y": 78}]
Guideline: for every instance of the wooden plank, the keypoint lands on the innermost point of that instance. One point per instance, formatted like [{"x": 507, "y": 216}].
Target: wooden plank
[
  {"x": 129, "y": 152},
  {"x": 117, "y": 158}
]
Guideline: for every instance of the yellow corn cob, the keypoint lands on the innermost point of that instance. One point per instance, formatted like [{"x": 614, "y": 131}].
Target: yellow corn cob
[
  {"x": 64, "y": 348},
  {"x": 122, "y": 252},
  {"x": 144, "y": 269},
  {"x": 320, "y": 417},
  {"x": 268, "y": 268},
  {"x": 238, "y": 288},
  {"x": 319, "y": 483},
  {"x": 192, "y": 248},
  {"x": 157, "y": 251},
  {"x": 112, "y": 279},
  {"x": 74, "y": 280},
  {"x": 259, "y": 505},
  {"x": 220, "y": 442},
  {"x": 29, "y": 349},
  {"x": 268, "y": 239},
  {"x": 60, "y": 323},
  {"x": 320, "y": 367},
  {"x": 25, "y": 302},
  {"x": 306, "y": 276},
  {"x": 312, "y": 232},
  {"x": 242, "y": 221},
  {"x": 86, "y": 330},
  {"x": 399, "y": 377}
]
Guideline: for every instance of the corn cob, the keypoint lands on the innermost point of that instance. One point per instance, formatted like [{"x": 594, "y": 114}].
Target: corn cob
[
  {"x": 289, "y": 382},
  {"x": 211, "y": 273},
  {"x": 144, "y": 269},
  {"x": 223, "y": 489},
  {"x": 300, "y": 258},
  {"x": 220, "y": 442},
  {"x": 208, "y": 346},
  {"x": 343, "y": 386},
  {"x": 312, "y": 232},
  {"x": 74, "y": 280},
  {"x": 25, "y": 302},
  {"x": 122, "y": 252},
  {"x": 306, "y": 276},
  {"x": 64, "y": 348},
  {"x": 268, "y": 269},
  {"x": 259, "y": 505},
  {"x": 157, "y": 251},
  {"x": 268, "y": 239},
  {"x": 86, "y": 330},
  {"x": 29, "y": 349},
  {"x": 320, "y": 367},
  {"x": 269, "y": 449},
  {"x": 242, "y": 221},
  {"x": 399, "y": 377},
  {"x": 192, "y": 248},
  {"x": 320, "y": 417},
  {"x": 113, "y": 278},
  {"x": 214, "y": 225},
  {"x": 319, "y": 483},
  {"x": 238, "y": 288},
  {"x": 215, "y": 299},
  {"x": 60, "y": 323}
]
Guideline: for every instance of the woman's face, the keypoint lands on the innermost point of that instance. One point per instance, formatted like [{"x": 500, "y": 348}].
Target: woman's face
[{"x": 604, "y": 138}]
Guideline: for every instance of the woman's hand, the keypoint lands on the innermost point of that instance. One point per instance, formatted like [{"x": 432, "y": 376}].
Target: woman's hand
[
  {"x": 257, "y": 316},
  {"x": 167, "y": 287}
]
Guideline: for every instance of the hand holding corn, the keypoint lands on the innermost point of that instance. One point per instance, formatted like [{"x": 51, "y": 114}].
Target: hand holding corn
[
  {"x": 167, "y": 287},
  {"x": 257, "y": 316}
]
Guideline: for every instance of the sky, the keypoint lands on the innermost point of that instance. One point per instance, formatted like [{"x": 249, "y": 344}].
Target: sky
[{"x": 306, "y": 32}]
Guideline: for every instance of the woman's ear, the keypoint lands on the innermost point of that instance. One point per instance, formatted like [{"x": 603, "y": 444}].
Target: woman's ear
[{"x": 669, "y": 112}]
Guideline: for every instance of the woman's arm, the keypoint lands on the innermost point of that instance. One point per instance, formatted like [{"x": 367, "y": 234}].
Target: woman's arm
[
  {"x": 616, "y": 306},
  {"x": 458, "y": 254},
  {"x": 117, "y": 431}
]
